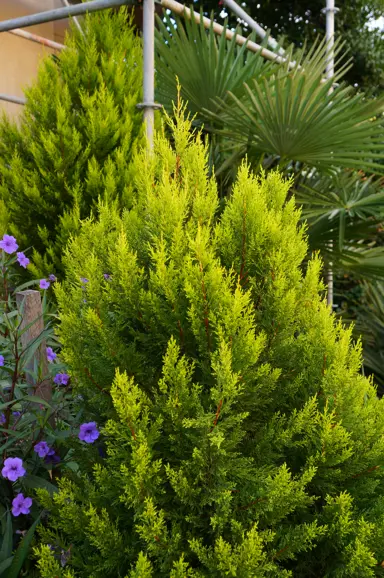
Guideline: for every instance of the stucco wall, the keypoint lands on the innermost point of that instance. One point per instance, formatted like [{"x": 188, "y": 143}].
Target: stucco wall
[{"x": 19, "y": 58}]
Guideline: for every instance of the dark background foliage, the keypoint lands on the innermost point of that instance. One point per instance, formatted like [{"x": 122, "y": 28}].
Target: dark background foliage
[{"x": 294, "y": 21}]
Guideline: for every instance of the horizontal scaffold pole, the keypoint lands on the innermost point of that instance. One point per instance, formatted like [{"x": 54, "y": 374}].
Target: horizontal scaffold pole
[
  {"x": 182, "y": 10},
  {"x": 13, "y": 99},
  {"x": 60, "y": 14},
  {"x": 243, "y": 15},
  {"x": 38, "y": 39}
]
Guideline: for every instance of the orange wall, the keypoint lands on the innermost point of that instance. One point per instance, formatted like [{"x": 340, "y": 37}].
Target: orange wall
[{"x": 19, "y": 58}]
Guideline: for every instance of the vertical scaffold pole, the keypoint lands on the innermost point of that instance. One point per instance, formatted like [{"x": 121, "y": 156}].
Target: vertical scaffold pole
[
  {"x": 329, "y": 72},
  {"x": 149, "y": 68}
]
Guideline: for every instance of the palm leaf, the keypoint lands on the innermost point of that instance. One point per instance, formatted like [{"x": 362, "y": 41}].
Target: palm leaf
[
  {"x": 348, "y": 193},
  {"x": 344, "y": 212},
  {"x": 295, "y": 116},
  {"x": 367, "y": 314},
  {"x": 207, "y": 66}
]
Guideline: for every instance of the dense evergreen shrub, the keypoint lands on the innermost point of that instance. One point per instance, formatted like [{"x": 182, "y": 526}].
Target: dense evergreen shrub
[
  {"x": 75, "y": 139},
  {"x": 238, "y": 437}
]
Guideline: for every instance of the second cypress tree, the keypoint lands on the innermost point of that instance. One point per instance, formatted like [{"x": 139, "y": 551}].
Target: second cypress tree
[{"x": 75, "y": 139}]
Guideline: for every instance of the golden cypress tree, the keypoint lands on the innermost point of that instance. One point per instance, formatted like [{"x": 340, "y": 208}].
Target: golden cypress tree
[
  {"x": 237, "y": 434},
  {"x": 76, "y": 137}
]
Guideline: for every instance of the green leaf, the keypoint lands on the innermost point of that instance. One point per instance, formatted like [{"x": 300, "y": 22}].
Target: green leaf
[
  {"x": 7, "y": 404},
  {"x": 7, "y": 543},
  {"x": 5, "y": 565},
  {"x": 344, "y": 211},
  {"x": 28, "y": 353},
  {"x": 27, "y": 285},
  {"x": 35, "y": 399},
  {"x": 31, "y": 481},
  {"x": 74, "y": 466},
  {"x": 22, "y": 552}
]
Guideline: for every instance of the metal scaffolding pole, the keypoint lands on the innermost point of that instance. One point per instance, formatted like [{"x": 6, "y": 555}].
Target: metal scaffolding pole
[
  {"x": 77, "y": 24},
  {"x": 149, "y": 68},
  {"x": 330, "y": 37},
  {"x": 329, "y": 73},
  {"x": 60, "y": 14},
  {"x": 36, "y": 38},
  {"x": 218, "y": 29},
  {"x": 242, "y": 14},
  {"x": 13, "y": 99}
]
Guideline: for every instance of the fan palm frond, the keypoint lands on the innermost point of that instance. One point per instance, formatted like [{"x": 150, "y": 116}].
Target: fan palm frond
[
  {"x": 207, "y": 66},
  {"x": 349, "y": 201},
  {"x": 344, "y": 212},
  {"x": 295, "y": 115},
  {"x": 366, "y": 311}
]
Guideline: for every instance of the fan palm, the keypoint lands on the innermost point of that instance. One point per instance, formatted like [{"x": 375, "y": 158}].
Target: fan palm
[
  {"x": 286, "y": 112},
  {"x": 297, "y": 117},
  {"x": 363, "y": 304},
  {"x": 344, "y": 212},
  {"x": 205, "y": 65}
]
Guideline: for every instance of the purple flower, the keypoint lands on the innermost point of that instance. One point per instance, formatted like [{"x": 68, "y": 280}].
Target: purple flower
[
  {"x": 51, "y": 355},
  {"x": 1, "y": 360},
  {"x": 16, "y": 413},
  {"x": 84, "y": 280},
  {"x": 13, "y": 469},
  {"x": 23, "y": 260},
  {"x": 106, "y": 276},
  {"x": 43, "y": 449},
  {"x": 52, "y": 278},
  {"x": 8, "y": 244},
  {"x": 21, "y": 505},
  {"x": 52, "y": 458},
  {"x": 61, "y": 379},
  {"x": 89, "y": 432},
  {"x": 3, "y": 419},
  {"x": 44, "y": 284}
]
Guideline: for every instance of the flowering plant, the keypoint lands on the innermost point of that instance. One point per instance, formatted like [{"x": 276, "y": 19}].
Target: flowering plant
[{"x": 36, "y": 408}]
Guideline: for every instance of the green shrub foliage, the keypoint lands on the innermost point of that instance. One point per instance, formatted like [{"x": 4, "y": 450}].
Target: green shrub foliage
[
  {"x": 75, "y": 139},
  {"x": 238, "y": 436}
]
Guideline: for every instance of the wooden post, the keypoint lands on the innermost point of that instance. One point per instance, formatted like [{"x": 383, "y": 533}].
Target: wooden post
[{"x": 29, "y": 303}]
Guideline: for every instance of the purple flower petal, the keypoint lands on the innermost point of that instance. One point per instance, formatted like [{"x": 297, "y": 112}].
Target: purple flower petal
[
  {"x": 89, "y": 432},
  {"x": 9, "y": 244},
  {"x": 44, "y": 284},
  {"x": 42, "y": 449},
  {"x": 61, "y": 379},
  {"x": 21, "y": 505},
  {"x": 51, "y": 355},
  {"x": 23, "y": 260},
  {"x": 13, "y": 469}
]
